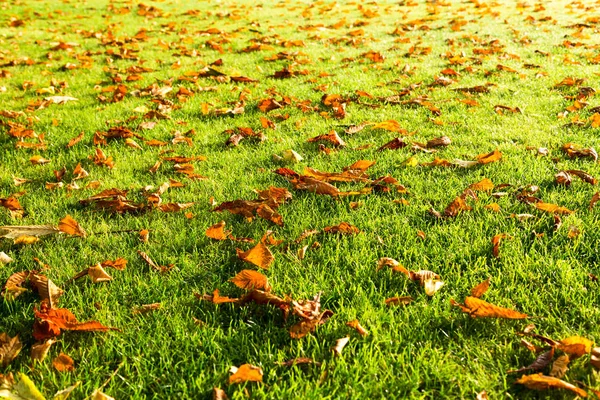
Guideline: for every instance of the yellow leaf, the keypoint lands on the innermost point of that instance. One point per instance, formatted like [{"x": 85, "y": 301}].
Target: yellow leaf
[
  {"x": 543, "y": 382},
  {"x": 246, "y": 373},
  {"x": 248, "y": 279},
  {"x": 259, "y": 255}
]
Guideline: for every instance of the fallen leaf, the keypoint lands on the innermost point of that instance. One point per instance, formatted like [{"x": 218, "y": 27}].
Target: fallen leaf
[
  {"x": 245, "y": 373},
  {"x": 98, "y": 274},
  {"x": 484, "y": 185},
  {"x": 575, "y": 346},
  {"x": 13, "y": 232},
  {"x": 480, "y": 289},
  {"x": 479, "y": 308},
  {"x": 489, "y": 157},
  {"x": 69, "y": 226},
  {"x": 215, "y": 298},
  {"x": 560, "y": 366},
  {"x": 63, "y": 363},
  {"x": 9, "y": 349},
  {"x": 4, "y": 258},
  {"x": 249, "y": 280},
  {"x": 553, "y": 208},
  {"x": 146, "y": 308},
  {"x": 340, "y": 344},
  {"x": 342, "y": 228},
  {"x": 431, "y": 286},
  {"x": 396, "y": 301},
  {"x": 259, "y": 255},
  {"x": 354, "y": 324},
  {"x": 39, "y": 351},
  {"x": 49, "y": 322},
  {"x": 542, "y": 382}
]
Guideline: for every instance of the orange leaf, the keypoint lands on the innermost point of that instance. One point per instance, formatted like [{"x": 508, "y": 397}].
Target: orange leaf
[
  {"x": 354, "y": 324},
  {"x": 248, "y": 279},
  {"x": 458, "y": 205},
  {"x": 344, "y": 228},
  {"x": 396, "y": 301},
  {"x": 63, "y": 363},
  {"x": 390, "y": 125},
  {"x": 489, "y": 157},
  {"x": 9, "y": 349},
  {"x": 259, "y": 255},
  {"x": 480, "y": 289},
  {"x": 69, "y": 226},
  {"x": 479, "y": 308},
  {"x": 49, "y": 322},
  {"x": 215, "y": 298},
  {"x": 483, "y": 185},
  {"x": 246, "y": 373},
  {"x": 217, "y": 231},
  {"x": 38, "y": 160},
  {"x": 576, "y": 346},
  {"x": 543, "y": 382},
  {"x": 553, "y": 208}
]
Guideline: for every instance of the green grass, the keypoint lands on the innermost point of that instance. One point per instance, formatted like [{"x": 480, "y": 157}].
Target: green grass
[{"x": 427, "y": 349}]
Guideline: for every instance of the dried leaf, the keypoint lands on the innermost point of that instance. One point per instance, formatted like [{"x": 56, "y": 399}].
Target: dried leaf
[
  {"x": 47, "y": 290},
  {"x": 98, "y": 274},
  {"x": 49, "y": 322},
  {"x": 340, "y": 344},
  {"x": 489, "y": 157},
  {"x": 479, "y": 308},
  {"x": 39, "y": 351},
  {"x": 217, "y": 231},
  {"x": 484, "y": 185},
  {"x": 396, "y": 301},
  {"x": 4, "y": 258},
  {"x": 69, "y": 226},
  {"x": 259, "y": 255},
  {"x": 584, "y": 176},
  {"x": 245, "y": 373},
  {"x": 541, "y": 362},
  {"x": 560, "y": 366},
  {"x": 249, "y": 280},
  {"x": 456, "y": 207},
  {"x": 342, "y": 228},
  {"x": 354, "y": 324},
  {"x": 215, "y": 298},
  {"x": 576, "y": 346},
  {"x": 480, "y": 289},
  {"x": 146, "y": 308},
  {"x": 543, "y": 382},
  {"x": 431, "y": 286},
  {"x": 63, "y": 363},
  {"x": 13, "y": 232},
  {"x": 553, "y": 208},
  {"x": 9, "y": 349}
]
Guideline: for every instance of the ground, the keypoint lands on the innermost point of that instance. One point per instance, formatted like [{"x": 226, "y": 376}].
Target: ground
[{"x": 511, "y": 80}]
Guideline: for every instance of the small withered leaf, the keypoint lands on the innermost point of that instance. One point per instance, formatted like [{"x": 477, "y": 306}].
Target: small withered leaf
[
  {"x": 482, "y": 309},
  {"x": 543, "y": 382},
  {"x": 217, "y": 231},
  {"x": 10, "y": 347},
  {"x": 245, "y": 373},
  {"x": 39, "y": 351},
  {"x": 342, "y": 228},
  {"x": 560, "y": 366},
  {"x": 249, "y": 280},
  {"x": 489, "y": 157},
  {"x": 69, "y": 226},
  {"x": 354, "y": 324},
  {"x": 215, "y": 298},
  {"x": 339, "y": 345},
  {"x": 575, "y": 346},
  {"x": 484, "y": 185},
  {"x": 552, "y": 208},
  {"x": 541, "y": 362},
  {"x": 63, "y": 363},
  {"x": 259, "y": 255},
  {"x": 481, "y": 288},
  {"x": 396, "y": 301}
]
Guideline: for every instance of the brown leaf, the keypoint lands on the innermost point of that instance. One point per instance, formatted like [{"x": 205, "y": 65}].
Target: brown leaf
[
  {"x": 541, "y": 362},
  {"x": 98, "y": 274},
  {"x": 75, "y": 140},
  {"x": 543, "y": 382},
  {"x": 594, "y": 200},
  {"x": 47, "y": 290},
  {"x": 584, "y": 176},
  {"x": 489, "y": 157},
  {"x": 560, "y": 366},
  {"x": 479, "y": 308},
  {"x": 553, "y": 208},
  {"x": 12, "y": 288},
  {"x": 299, "y": 361},
  {"x": 259, "y": 255},
  {"x": 480, "y": 289},
  {"x": 69, "y": 226},
  {"x": 396, "y": 301},
  {"x": 394, "y": 144},
  {"x": 456, "y": 207},
  {"x": 63, "y": 363},
  {"x": 39, "y": 351},
  {"x": 342, "y": 228},
  {"x": 217, "y": 231},
  {"x": 354, "y": 324},
  {"x": 146, "y": 308},
  {"x": 215, "y": 298},
  {"x": 442, "y": 141},
  {"x": 49, "y": 322},
  {"x": 332, "y": 137},
  {"x": 38, "y": 160},
  {"x": 340, "y": 344},
  {"x": 219, "y": 394},
  {"x": 389, "y": 125},
  {"x": 496, "y": 244},
  {"x": 9, "y": 349},
  {"x": 245, "y": 373},
  {"x": 575, "y": 346},
  {"x": 249, "y": 280},
  {"x": 484, "y": 185}
]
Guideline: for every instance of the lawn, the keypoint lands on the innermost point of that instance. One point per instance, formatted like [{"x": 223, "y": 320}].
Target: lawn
[{"x": 470, "y": 112}]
